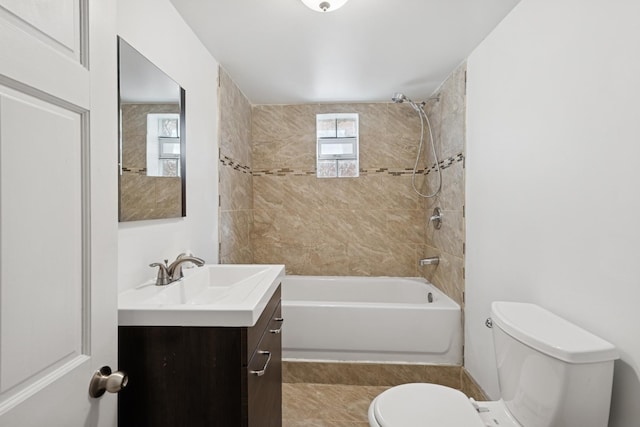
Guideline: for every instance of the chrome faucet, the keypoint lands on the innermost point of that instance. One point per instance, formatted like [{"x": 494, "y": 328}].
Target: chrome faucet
[
  {"x": 175, "y": 268},
  {"x": 169, "y": 273}
]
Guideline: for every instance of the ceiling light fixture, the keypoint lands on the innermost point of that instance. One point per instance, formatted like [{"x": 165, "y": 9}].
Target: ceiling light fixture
[{"x": 324, "y": 5}]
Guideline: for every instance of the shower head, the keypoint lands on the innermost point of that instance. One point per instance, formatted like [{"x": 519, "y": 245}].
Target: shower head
[{"x": 399, "y": 98}]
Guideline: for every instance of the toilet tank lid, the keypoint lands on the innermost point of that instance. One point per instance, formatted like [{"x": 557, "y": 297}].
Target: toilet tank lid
[{"x": 550, "y": 334}]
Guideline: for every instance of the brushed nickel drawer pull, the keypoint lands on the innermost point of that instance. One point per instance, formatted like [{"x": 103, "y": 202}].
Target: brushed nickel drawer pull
[
  {"x": 277, "y": 331},
  {"x": 264, "y": 368}
]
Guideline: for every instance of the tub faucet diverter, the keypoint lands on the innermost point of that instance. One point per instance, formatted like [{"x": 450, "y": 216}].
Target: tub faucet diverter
[{"x": 169, "y": 273}]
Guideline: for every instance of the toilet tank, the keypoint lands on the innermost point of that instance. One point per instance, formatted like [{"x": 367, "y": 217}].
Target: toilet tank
[{"x": 551, "y": 372}]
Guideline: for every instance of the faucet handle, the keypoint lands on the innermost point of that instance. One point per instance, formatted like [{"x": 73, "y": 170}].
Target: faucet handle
[{"x": 163, "y": 273}]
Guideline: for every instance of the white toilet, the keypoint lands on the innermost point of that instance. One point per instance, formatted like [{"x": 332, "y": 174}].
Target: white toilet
[{"x": 551, "y": 374}]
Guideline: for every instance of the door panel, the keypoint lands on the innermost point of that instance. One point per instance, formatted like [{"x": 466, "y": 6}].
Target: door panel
[
  {"x": 36, "y": 65},
  {"x": 56, "y": 23},
  {"x": 41, "y": 321}
]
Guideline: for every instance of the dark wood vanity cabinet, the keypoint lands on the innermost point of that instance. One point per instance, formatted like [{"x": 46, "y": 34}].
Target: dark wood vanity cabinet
[{"x": 203, "y": 376}]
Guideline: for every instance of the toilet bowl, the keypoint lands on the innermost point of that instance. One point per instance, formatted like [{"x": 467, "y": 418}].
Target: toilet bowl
[
  {"x": 426, "y": 405},
  {"x": 551, "y": 374}
]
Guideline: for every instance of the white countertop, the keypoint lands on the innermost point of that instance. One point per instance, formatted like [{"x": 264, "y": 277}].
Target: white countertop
[{"x": 212, "y": 295}]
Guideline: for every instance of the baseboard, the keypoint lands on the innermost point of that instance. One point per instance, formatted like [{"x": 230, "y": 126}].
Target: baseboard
[{"x": 470, "y": 387}]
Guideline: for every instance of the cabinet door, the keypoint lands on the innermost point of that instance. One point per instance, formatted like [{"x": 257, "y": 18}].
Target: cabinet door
[
  {"x": 265, "y": 378},
  {"x": 184, "y": 376}
]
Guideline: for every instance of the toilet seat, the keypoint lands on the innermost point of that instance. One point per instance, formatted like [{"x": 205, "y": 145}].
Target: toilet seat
[
  {"x": 421, "y": 405},
  {"x": 432, "y": 405}
]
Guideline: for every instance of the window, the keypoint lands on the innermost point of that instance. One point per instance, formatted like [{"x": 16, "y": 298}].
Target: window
[
  {"x": 337, "y": 145},
  {"x": 163, "y": 145}
]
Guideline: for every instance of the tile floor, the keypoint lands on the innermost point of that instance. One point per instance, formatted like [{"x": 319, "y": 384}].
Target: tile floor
[
  {"x": 327, "y": 405},
  {"x": 338, "y": 394}
]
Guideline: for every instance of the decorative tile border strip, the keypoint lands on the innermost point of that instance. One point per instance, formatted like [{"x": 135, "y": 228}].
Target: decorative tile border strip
[
  {"x": 453, "y": 159},
  {"x": 283, "y": 172},
  {"x": 389, "y": 171},
  {"x": 444, "y": 164},
  {"x": 228, "y": 161},
  {"x": 138, "y": 171}
]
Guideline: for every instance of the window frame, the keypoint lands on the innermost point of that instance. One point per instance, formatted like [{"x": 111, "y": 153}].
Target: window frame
[{"x": 323, "y": 141}]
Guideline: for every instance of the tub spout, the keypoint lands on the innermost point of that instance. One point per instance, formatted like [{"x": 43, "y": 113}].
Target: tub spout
[{"x": 434, "y": 260}]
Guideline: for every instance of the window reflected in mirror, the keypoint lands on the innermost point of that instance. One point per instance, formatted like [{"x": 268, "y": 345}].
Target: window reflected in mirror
[{"x": 163, "y": 144}]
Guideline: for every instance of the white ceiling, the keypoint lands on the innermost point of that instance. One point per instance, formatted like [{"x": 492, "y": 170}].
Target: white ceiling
[{"x": 281, "y": 52}]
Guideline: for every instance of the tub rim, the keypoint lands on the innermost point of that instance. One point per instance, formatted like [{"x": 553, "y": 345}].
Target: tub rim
[{"x": 445, "y": 302}]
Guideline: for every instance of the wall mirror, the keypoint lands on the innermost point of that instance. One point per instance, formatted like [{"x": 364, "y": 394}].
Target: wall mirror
[{"x": 152, "y": 140}]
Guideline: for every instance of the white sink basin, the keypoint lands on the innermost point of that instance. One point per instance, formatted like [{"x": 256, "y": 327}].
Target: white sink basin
[{"x": 212, "y": 295}]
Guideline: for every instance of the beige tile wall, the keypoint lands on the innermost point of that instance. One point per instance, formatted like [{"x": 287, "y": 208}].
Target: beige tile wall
[
  {"x": 369, "y": 373},
  {"x": 141, "y": 196},
  {"x": 274, "y": 210},
  {"x": 236, "y": 181},
  {"x": 448, "y": 117},
  {"x": 365, "y": 226},
  {"x": 379, "y": 374}
]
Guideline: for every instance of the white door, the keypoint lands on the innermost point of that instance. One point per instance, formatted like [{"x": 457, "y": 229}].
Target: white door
[{"x": 58, "y": 226}]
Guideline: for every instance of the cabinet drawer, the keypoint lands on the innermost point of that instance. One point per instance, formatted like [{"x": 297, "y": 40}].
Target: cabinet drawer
[
  {"x": 271, "y": 336},
  {"x": 255, "y": 333},
  {"x": 264, "y": 378}
]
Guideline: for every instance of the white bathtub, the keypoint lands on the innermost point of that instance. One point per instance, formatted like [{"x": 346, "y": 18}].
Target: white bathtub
[{"x": 375, "y": 319}]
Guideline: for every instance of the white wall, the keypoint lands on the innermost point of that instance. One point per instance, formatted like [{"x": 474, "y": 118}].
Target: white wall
[
  {"x": 553, "y": 181},
  {"x": 157, "y": 31}
]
